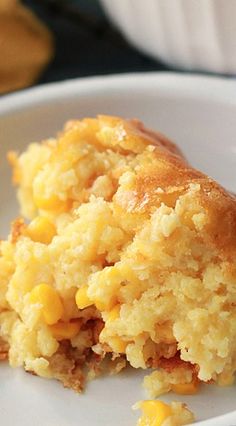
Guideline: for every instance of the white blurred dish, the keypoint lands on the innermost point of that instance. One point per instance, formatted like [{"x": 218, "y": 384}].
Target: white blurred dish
[
  {"x": 199, "y": 114},
  {"x": 188, "y": 34}
]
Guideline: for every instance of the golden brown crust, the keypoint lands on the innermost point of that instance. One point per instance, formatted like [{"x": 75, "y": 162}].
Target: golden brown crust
[
  {"x": 73, "y": 369},
  {"x": 169, "y": 176},
  {"x": 66, "y": 366},
  {"x": 156, "y": 138},
  {"x": 17, "y": 228},
  {"x": 4, "y": 348},
  {"x": 220, "y": 206},
  {"x": 170, "y": 364}
]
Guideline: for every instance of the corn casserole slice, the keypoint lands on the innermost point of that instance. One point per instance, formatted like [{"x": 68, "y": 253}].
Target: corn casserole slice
[{"x": 129, "y": 257}]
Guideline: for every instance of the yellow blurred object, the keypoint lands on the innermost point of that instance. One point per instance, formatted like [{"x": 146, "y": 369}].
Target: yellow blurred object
[
  {"x": 47, "y": 296},
  {"x": 41, "y": 230},
  {"x": 186, "y": 388},
  {"x": 154, "y": 413},
  {"x": 65, "y": 330},
  {"x": 26, "y": 46},
  {"x": 82, "y": 299}
]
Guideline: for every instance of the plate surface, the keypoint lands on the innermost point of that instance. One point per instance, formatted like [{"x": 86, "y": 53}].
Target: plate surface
[{"x": 198, "y": 113}]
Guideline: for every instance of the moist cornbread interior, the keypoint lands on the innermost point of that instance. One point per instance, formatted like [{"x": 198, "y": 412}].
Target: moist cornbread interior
[{"x": 129, "y": 257}]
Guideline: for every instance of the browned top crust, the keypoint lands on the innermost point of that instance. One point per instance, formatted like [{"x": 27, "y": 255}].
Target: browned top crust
[{"x": 170, "y": 172}]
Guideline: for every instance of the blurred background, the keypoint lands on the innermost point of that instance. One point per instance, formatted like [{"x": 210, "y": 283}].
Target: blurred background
[
  {"x": 86, "y": 44},
  {"x": 51, "y": 40}
]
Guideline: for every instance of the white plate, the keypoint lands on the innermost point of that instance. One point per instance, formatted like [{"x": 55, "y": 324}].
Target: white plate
[{"x": 199, "y": 114}]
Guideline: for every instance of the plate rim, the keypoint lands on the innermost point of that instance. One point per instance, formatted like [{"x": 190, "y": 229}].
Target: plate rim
[{"x": 218, "y": 89}]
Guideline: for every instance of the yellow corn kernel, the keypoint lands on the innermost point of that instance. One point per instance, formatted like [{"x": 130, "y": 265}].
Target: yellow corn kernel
[
  {"x": 104, "y": 305},
  {"x": 117, "y": 344},
  {"x": 53, "y": 203},
  {"x": 65, "y": 330},
  {"x": 154, "y": 413},
  {"x": 100, "y": 306},
  {"x": 81, "y": 298},
  {"x": 114, "y": 313},
  {"x": 49, "y": 299},
  {"x": 186, "y": 388},
  {"x": 41, "y": 230}
]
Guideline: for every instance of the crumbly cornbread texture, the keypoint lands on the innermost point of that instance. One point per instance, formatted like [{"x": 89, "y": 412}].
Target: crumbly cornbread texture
[{"x": 129, "y": 255}]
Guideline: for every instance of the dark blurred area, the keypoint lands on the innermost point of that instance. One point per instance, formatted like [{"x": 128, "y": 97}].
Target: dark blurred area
[
  {"x": 43, "y": 41},
  {"x": 85, "y": 42}
]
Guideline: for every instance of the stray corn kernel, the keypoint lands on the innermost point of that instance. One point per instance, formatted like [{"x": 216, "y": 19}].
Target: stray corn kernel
[
  {"x": 154, "y": 412},
  {"x": 114, "y": 313},
  {"x": 186, "y": 388},
  {"x": 81, "y": 298},
  {"x": 65, "y": 330},
  {"x": 47, "y": 296},
  {"x": 41, "y": 230}
]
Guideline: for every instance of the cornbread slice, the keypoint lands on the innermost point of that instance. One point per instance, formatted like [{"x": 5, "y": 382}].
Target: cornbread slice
[{"x": 129, "y": 257}]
